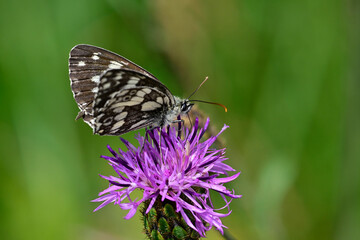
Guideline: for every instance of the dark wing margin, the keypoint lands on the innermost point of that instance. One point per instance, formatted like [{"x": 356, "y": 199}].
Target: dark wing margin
[{"x": 86, "y": 65}]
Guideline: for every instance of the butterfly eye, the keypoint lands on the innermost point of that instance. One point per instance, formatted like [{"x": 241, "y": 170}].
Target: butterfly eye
[
  {"x": 183, "y": 108},
  {"x": 186, "y": 106}
]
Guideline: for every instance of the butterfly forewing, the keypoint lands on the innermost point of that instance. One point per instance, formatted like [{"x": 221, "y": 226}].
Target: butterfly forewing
[
  {"x": 86, "y": 64},
  {"x": 127, "y": 100}
]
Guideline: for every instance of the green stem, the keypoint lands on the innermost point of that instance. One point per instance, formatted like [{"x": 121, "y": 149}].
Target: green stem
[{"x": 227, "y": 235}]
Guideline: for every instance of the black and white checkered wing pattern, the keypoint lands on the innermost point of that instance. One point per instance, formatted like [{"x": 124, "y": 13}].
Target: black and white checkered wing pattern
[
  {"x": 86, "y": 65},
  {"x": 127, "y": 100}
]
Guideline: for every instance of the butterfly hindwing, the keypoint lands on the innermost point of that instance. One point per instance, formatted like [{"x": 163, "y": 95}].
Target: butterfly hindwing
[{"x": 127, "y": 100}]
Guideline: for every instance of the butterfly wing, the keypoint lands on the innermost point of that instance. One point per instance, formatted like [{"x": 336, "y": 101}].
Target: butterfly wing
[
  {"x": 127, "y": 100},
  {"x": 86, "y": 65}
]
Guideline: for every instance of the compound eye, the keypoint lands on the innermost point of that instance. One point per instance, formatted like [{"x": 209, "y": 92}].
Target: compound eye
[{"x": 183, "y": 107}]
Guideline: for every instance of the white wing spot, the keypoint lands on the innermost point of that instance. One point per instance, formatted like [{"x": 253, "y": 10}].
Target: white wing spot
[
  {"x": 100, "y": 116},
  {"x": 132, "y": 103},
  {"x": 137, "y": 99},
  {"x": 118, "y": 109},
  {"x": 97, "y": 100},
  {"x": 106, "y": 85},
  {"x": 95, "y": 57},
  {"x": 137, "y": 124},
  {"x": 159, "y": 100},
  {"x": 124, "y": 63},
  {"x": 121, "y": 116},
  {"x": 113, "y": 95},
  {"x": 107, "y": 121},
  {"x": 132, "y": 82},
  {"x": 141, "y": 93},
  {"x": 166, "y": 100},
  {"x": 95, "y": 79},
  {"x": 122, "y": 93},
  {"x": 109, "y": 102},
  {"x": 81, "y": 64},
  {"x": 117, "y": 125},
  {"x": 83, "y": 105},
  {"x": 124, "y": 104},
  {"x": 108, "y": 74},
  {"x": 115, "y": 65},
  {"x": 95, "y": 90},
  {"x": 118, "y": 76},
  {"x": 149, "y": 106},
  {"x": 146, "y": 90}
]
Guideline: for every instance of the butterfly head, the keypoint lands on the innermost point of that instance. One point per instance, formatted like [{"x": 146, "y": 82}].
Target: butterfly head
[{"x": 185, "y": 106}]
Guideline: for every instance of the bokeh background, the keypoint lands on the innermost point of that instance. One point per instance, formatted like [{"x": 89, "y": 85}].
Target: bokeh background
[{"x": 287, "y": 70}]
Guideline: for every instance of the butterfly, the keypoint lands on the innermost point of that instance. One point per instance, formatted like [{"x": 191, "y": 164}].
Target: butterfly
[{"x": 116, "y": 96}]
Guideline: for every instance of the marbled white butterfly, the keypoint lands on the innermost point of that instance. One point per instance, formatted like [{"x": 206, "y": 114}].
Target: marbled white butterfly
[{"x": 116, "y": 96}]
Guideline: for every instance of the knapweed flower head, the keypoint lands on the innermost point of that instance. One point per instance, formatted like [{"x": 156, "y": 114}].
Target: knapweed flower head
[{"x": 168, "y": 168}]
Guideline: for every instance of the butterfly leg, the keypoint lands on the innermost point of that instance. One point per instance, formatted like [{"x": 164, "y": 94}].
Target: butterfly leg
[{"x": 180, "y": 121}]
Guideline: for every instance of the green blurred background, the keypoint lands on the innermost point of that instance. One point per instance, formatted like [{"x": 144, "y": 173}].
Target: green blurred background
[{"x": 287, "y": 70}]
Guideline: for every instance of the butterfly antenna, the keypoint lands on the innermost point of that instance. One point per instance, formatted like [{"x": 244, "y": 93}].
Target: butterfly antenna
[
  {"x": 198, "y": 87},
  {"x": 219, "y": 104}
]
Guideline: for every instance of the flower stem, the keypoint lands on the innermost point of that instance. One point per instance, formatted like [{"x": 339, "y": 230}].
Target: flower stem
[{"x": 227, "y": 235}]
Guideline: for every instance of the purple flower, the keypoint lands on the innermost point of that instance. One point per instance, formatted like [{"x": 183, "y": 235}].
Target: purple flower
[{"x": 175, "y": 173}]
